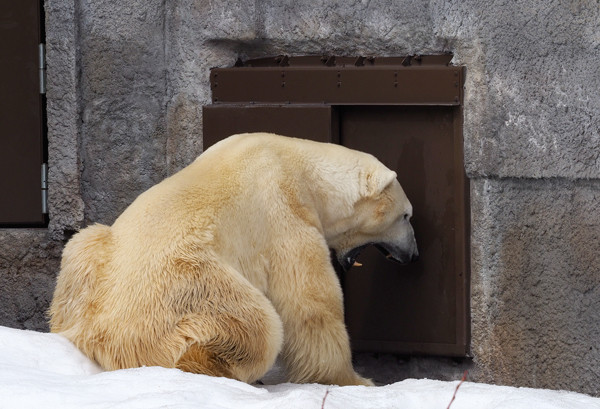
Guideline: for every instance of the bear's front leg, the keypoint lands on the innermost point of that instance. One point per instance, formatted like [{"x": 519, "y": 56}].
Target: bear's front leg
[{"x": 307, "y": 294}]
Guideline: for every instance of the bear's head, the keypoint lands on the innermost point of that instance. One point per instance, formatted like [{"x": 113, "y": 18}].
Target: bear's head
[{"x": 380, "y": 217}]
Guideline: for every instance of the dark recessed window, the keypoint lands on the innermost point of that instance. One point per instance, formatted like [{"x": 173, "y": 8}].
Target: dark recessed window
[{"x": 22, "y": 115}]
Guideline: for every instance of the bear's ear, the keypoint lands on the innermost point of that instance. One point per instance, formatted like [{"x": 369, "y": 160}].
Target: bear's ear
[{"x": 373, "y": 182}]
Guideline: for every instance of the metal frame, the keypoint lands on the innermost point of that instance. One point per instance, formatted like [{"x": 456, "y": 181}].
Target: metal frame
[
  {"x": 304, "y": 97},
  {"x": 377, "y": 85}
]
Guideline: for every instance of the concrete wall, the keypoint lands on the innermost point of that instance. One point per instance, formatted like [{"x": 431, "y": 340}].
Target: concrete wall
[{"x": 126, "y": 84}]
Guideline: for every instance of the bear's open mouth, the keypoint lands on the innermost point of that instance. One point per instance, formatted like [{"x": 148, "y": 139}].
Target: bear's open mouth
[{"x": 349, "y": 259}]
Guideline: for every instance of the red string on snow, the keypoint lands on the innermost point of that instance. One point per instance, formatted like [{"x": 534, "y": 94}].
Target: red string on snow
[
  {"x": 324, "y": 397},
  {"x": 464, "y": 378}
]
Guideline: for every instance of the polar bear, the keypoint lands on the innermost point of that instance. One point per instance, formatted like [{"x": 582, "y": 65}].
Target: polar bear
[{"x": 225, "y": 265}]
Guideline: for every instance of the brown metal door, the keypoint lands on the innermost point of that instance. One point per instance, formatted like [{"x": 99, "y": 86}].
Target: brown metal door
[
  {"x": 21, "y": 126},
  {"x": 421, "y": 307},
  {"x": 409, "y": 115}
]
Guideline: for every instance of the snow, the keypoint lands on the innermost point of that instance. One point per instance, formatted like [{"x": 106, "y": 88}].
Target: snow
[{"x": 39, "y": 370}]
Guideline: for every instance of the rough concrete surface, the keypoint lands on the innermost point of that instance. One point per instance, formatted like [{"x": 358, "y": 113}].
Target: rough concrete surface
[
  {"x": 63, "y": 112},
  {"x": 536, "y": 283},
  {"x": 127, "y": 80},
  {"x": 123, "y": 88},
  {"x": 29, "y": 261},
  {"x": 531, "y": 85}
]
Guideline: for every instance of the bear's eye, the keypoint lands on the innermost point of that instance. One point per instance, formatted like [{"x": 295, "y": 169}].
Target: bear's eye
[{"x": 406, "y": 216}]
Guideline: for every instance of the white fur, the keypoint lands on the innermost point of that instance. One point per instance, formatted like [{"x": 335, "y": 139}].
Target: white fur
[{"x": 226, "y": 264}]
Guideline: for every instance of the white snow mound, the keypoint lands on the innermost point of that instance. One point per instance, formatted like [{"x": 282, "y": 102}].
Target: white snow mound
[{"x": 39, "y": 370}]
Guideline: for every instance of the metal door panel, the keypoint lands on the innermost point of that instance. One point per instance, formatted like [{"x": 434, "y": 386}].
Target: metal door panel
[
  {"x": 418, "y": 307},
  {"x": 21, "y": 138},
  {"x": 301, "y": 121}
]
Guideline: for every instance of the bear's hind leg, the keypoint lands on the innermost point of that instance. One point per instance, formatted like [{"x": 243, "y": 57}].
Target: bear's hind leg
[
  {"x": 234, "y": 331},
  {"x": 242, "y": 347}
]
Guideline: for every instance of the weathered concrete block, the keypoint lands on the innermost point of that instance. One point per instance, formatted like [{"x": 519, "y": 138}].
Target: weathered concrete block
[
  {"x": 65, "y": 202},
  {"x": 531, "y": 92},
  {"x": 535, "y": 282},
  {"x": 29, "y": 260},
  {"x": 123, "y": 88}
]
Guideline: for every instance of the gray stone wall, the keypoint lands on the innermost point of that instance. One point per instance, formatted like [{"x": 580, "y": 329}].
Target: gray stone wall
[
  {"x": 536, "y": 282},
  {"x": 123, "y": 91},
  {"x": 126, "y": 83}
]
